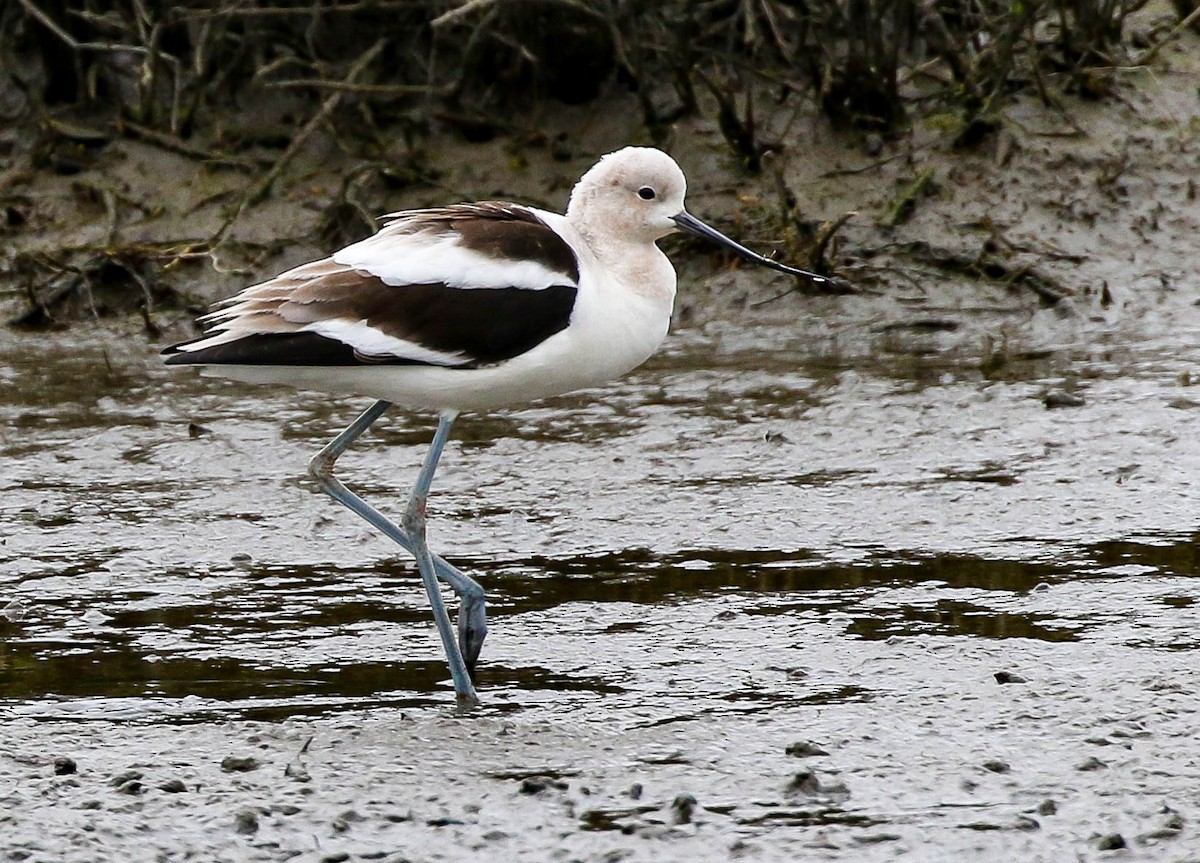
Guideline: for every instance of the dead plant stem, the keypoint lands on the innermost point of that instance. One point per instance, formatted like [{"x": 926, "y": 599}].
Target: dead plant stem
[
  {"x": 259, "y": 190},
  {"x": 53, "y": 26}
]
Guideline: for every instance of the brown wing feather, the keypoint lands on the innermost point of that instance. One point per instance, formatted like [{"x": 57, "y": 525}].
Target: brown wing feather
[{"x": 266, "y": 323}]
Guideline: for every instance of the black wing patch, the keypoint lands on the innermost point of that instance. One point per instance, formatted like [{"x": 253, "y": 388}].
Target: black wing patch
[
  {"x": 484, "y": 326},
  {"x": 267, "y": 349},
  {"x": 276, "y": 322}
]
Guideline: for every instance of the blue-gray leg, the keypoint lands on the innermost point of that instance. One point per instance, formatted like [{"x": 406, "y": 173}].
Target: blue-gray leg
[{"x": 472, "y": 617}]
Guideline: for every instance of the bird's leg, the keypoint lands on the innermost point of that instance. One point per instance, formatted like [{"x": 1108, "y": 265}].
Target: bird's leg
[
  {"x": 472, "y": 620},
  {"x": 413, "y": 524}
]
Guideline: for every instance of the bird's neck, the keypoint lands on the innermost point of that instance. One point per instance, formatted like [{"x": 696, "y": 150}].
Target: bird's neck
[{"x": 639, "y": 267}]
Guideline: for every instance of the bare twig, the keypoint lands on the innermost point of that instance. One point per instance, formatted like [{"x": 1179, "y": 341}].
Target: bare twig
[
  {"x": 53, "y": 26},
  {"x": 461, "y": 12},
  {"x": 901, "y": 206},
  {"x": 361, "y": 89},
  {"x": 259, "y": 190},
  {"x": 870, "y": 166},
  {"x": 474, "y": 5},
  {"x": 289, "y": 11},
  {"x": 177, "y": 145},
  {"x": 739, "y": 133},
  {"x": 1150, "y": 53},
  {"x": 824, "y": 237}
]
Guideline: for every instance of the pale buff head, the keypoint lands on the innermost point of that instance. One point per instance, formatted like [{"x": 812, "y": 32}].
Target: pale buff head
[{"x": 631, "y": 195}]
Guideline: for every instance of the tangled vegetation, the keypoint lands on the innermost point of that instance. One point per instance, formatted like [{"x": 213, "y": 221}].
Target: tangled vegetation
[
  {"x": 81, "y": 72},
  {"x": 165, "y": 64}
]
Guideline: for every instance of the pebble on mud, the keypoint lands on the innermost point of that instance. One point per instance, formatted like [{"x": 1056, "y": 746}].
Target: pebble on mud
[
  {"x": 1047, "y": 807},
  {"x": 64, "y": 766},
  {"x": 1172, "y": 826},
  {"x": 1062, "y": 399},
  {"x": 444, "y": 821},
  {"x": 598, "y": 819},
  {"x": 804, "y": 749},
  {"x": 538, "y": 784},
  {"x": 1003, "y": 677},
  {"x": 173, "y": 786},
  {"x": 996, "y": 766},
  {"x": 342, "y": 823},
  {"x": 122, "y": 778},
  {"x": 246, "y": 821},
  {"x": 1182, "y": 404},
  {"x": 1111, "y": 842},
  {"x": 806, "y": 784},
  {"x": 132, "y": 787},
  {"x": 682, "y": 808},
  {"x": 236, "y": 764}
]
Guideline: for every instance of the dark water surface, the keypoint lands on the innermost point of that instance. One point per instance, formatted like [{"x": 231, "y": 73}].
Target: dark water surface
[{"x": 747, "y": 542}]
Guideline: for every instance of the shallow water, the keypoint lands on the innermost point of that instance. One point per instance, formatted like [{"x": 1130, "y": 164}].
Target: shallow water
[{"x": 748, "y": 542}]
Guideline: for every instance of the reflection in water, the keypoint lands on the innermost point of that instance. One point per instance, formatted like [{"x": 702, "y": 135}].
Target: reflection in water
[{"x": 149, "y": 650}]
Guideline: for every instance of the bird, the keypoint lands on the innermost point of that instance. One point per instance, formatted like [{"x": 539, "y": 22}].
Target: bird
[{"x": 466, "y": 308}]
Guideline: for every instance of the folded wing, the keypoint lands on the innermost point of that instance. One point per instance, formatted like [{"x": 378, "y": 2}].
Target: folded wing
[{"x": 464, "y": 287}]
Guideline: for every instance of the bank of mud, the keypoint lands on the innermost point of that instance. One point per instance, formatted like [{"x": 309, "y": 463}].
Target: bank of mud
[
  {"x": 1089, "y": 206},
  {"x": 752, "y": 601}
]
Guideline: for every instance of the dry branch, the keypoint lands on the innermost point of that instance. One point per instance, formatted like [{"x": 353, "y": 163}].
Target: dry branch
[
  {"x": 259, "y": 190},
  {"x": 1148, "y": 57},
  {"x": 177, "y": 145},
  {"x": 393, "y": 90},
  {"x": 73, "y": 43}
]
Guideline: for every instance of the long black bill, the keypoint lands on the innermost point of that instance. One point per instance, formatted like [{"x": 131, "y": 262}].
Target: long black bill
[{"x": 687, "y": 222}]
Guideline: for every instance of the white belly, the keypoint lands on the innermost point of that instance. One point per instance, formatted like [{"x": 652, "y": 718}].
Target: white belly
[{"x": 595, "y": 348}]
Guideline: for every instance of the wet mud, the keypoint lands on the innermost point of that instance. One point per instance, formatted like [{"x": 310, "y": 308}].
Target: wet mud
[{"x": 771, "y": 597}]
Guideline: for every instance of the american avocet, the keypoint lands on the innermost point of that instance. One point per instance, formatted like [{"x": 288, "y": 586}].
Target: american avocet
[{"x": 467, "y": 308}]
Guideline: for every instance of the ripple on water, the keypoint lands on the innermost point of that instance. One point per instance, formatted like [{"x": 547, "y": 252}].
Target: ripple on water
[{"x": 680, "y": 537}]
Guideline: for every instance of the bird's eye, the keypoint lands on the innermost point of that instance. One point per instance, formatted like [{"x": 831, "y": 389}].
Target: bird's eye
[{"x": 646, "y": 193}]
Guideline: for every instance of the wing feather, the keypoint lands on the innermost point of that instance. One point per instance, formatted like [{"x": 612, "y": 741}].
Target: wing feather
[{"x": 461, "y": 286}]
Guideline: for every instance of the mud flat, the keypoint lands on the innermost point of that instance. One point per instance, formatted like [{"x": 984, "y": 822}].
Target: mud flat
[{"x": 755, "y": 601}]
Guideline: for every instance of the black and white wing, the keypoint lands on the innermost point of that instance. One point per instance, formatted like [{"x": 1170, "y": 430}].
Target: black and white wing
[{"x": 463, "y": 286}]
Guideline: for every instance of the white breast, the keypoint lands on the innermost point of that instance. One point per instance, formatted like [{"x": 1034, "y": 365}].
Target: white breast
[{"x": 620, "y": 318}]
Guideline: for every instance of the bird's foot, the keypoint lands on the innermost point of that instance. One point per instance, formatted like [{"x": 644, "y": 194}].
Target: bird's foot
[{"x": 472, "y": 630}]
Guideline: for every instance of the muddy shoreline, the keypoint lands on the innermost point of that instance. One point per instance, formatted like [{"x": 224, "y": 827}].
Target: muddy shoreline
[
  {"x": 1093, "y": 204},
  {"x": 815, "y": 559}
]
